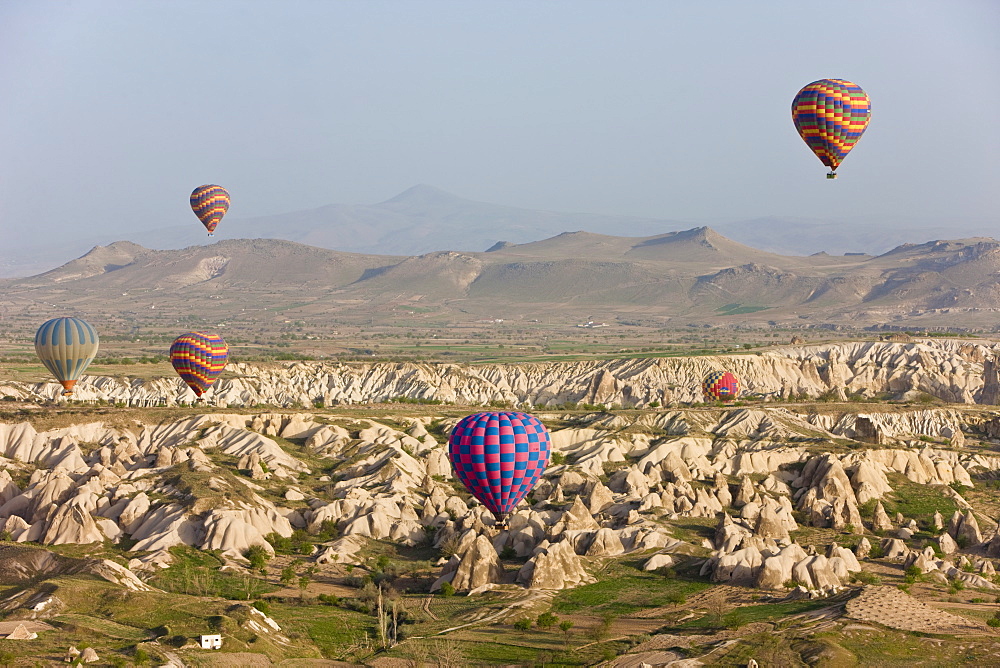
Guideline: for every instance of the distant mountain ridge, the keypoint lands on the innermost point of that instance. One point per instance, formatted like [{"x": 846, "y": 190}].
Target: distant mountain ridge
[
  {"x": 424, "y": 219},
  {"x": 690, "y": 276}
]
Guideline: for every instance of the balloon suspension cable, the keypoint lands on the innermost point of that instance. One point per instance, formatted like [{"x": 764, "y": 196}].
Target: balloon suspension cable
[{"x": 831, "y": 175}]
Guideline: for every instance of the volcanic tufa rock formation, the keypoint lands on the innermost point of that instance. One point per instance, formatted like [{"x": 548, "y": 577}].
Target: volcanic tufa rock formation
[
  {"x": 228, "y": 482},
  {"x": 952, "y": 372}
]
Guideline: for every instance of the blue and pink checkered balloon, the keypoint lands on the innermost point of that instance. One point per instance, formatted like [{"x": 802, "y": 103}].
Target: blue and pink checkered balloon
[{"x": 499, "y": 457}]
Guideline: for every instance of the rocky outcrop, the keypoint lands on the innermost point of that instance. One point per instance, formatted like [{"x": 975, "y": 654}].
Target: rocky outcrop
[
  {"x": 825, "y": 494},
  {"x": 475, "y": 565},
  {"x": 952, "y": 373},
  {"x": 554, "y": 566},
  {"x": 880, "y": 519}
]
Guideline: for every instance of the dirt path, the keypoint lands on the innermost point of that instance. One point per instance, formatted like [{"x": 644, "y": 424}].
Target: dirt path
[
  {"x": 426, "y": 607},
  {"x": 174, "y": 659}
]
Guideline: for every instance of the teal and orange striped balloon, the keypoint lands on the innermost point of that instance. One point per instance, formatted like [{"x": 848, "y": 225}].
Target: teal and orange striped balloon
[
  {"x": 66, "y": 347},
  {"x": 830, "y": 116},
  {"x": 199, "y": 358},
  {"x": 210, "y": 203}
]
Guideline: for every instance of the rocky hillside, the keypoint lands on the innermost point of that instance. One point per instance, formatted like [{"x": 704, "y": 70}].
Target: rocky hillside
[
  {"x": 949, "y": 370},
  {"x": 694, "y": 276}
]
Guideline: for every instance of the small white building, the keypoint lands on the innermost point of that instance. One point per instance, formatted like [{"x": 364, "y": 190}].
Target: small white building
[{"x": 211, "y": 642}]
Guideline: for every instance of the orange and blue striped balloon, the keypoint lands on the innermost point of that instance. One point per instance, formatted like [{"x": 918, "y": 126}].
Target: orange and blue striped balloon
[
  {"x": 210, "y": 203},
  {"x": 830, "y": 116},
  {"x": 720, "y": 386},
  {"x": 199, "y": 358}
]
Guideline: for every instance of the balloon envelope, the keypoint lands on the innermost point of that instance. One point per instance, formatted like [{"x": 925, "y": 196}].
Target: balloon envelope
[
  {"x": 831, "y": 115},
  {"x": 720, "y": 386},
  {"x": 210, "y": 203},
  {"x": 499, "y": 457},
  {"x": 66, "y": 346},
  {"x": 199, "y": 358}
]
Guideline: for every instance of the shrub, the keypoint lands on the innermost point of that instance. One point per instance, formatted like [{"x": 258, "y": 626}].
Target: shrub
[
  {"x": 864, "y": 577},
  {"x": 447, "y": 589},
  {"x": 263, "y": 606},
  {"x": 522, "y": 624}
]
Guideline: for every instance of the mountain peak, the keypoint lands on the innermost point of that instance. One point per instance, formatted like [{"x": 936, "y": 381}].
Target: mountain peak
[{"x": 422, "y": 194}]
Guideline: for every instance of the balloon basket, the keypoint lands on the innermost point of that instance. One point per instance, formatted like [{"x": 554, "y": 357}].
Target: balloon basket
[
  {"x": 831, "y": 175},
  {"x": 210, "y": 234}
]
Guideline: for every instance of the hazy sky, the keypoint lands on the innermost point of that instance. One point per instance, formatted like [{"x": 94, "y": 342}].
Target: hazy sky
[{"x": 112, "y": 112}]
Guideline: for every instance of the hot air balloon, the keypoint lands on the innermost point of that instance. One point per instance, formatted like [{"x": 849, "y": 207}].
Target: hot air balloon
[
  {"x": 66, "y": 347},
  {"x": 499, "y": 457},
  {"x": 831, "y": 115},
  {"x": 199, "y": 358},
  {"x": 720, "y": 386},
  {"x": 210, "y": 204}
]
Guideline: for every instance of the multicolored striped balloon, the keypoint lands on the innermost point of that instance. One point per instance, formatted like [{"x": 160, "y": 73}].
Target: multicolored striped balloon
[
  {"x": 66, "y": 347},
  {"x": 199, "y": 358},
  {"x": 831, "y": 115},
  {"x": 720, "y": 386},
  {"x": 210, "y": 203},
  {"x": 499, "y": 457}
]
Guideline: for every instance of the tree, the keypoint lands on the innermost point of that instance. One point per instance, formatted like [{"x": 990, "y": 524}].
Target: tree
[
  {"x": 304, "y": 581},
  {"x": 718, "y": 606},
  {"x": 450, "y": 655},
  {"x": 251, "y": 586},
  {"x": 564, "y": 626},
  {"x": 522, "y": 624},
  {"x": 546, "y": 620},
  {"x": 603, "y": 630},
  {"x": 288, "y": 574},
  {"x": 257, "y": 555}
]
